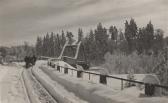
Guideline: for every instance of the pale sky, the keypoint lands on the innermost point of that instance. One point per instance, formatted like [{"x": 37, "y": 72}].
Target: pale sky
[{"x": 24, "y": 20}]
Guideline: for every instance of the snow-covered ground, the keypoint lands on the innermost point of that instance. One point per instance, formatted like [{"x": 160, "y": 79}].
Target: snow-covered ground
[
  {"x": 57, "y": 91},
  {"x": 11, "y": 86},
  {"x": 37, "y": 93},
  {"x": 65, "y": 86},
  {"x": 97, "y": 93}
]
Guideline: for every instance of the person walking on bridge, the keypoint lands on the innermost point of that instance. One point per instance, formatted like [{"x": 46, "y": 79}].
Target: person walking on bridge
[
  {"x": 26, "y": 61},
  {"x": 34, "y": 58}
]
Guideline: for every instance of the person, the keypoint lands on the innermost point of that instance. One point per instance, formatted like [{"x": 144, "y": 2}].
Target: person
[
  {"x": 26, "y": 61},
  {"x": 34, "y": 58},
  {"x": 29, "y": 61}
]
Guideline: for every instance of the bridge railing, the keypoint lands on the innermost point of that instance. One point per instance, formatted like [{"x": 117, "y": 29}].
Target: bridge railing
[{"x": 103, "y": 79}]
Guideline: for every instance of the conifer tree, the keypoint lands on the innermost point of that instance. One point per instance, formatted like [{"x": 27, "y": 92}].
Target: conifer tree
[
  {"x": 51, "y": 45},
  {"x": 70, "y": 36},
  {"x": 114, "y": 32},
  {"x": 149, "y": 35},
  {"x": 158, "y": 42},
  {"x": 63, "y": 39},
  {"x": 80, "y": 34},
  {"x": 101, "y": 39},
  {"x": 131, "y": 34},
  {"x": 39, "y": 46}
]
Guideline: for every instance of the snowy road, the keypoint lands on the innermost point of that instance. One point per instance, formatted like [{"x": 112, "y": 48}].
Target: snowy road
[{"x": 11, "y": 87}]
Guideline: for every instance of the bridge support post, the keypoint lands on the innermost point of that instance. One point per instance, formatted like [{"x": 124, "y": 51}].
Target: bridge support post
[
  {"x": 149, "y": 89},
  {"x": 66, "y": 70},
  {"x": 103, "y": 79},
  {"x": 122, "y": 85},
  {"x": 79, "y": 74},
  {"x": 58, "y": 68},
  {"x": 53, "y": 66},
  {"x": 89, "y": 76}
]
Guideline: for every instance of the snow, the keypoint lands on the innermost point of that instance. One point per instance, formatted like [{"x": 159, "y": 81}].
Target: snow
[
  {"x": 41, "y": 62},
  {"x": 3, "y": 72},
  {"x": 29, "y": 88},
  {"x": 72, "y": 73},
  {"x": 11, "y": 87},
  {"x": 69, "y": 88},
  {"x": 98, "y": 93},
  {"x": 116, "y": 84},
  {"x": 36, "y": 91},
  {"x": 113, "y": 83},
  {"x": 81, "y": 88},
  {"x": 57, "y": 90}
]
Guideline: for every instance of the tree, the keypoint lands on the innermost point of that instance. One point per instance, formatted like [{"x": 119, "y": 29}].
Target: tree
[
  {"x": 114, "y": 32},
  {"x": 45, "y": 45},
  {"x": 39, "y": 46},
  {"x": 3, "y": 52},
  {"x": 91, "y": 36},
  {"x": 149, "y": 35},
  {"x": 158, "y": 41},
  {"x": 80, "y": 34},
  {"x": 70, "y": 37},
  {"x": 122, "y": 45},
  {"x": 140, "y": 41},
  {"x": 130, "y": 34},
  {"x": 63, "y": 39},
  {"x": 101, "y": 39},
  {"x": 133, "y": 29},
  {"x": 90, "y": 46},
  {"x": 120, "y": 35},
  {"x": 56, "y": 40},
  {"x": 58, "y": 44},
  {"x": 51, "y": 44},
  {"x": 26, "y": 49},
  {"x": 145, "y": 39},
  {"x": 127, "y": 35}
]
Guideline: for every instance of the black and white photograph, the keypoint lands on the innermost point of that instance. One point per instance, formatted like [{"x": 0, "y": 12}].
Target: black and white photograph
[{"x": 83, "y": 51}]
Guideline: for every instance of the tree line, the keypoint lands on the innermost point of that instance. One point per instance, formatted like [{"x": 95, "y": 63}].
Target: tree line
[
  {"x": 143, "y": 40},
  {"x": 17, "y": 52}
]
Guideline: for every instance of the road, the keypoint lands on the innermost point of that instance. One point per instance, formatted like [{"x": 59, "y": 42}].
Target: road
[{"x": 11, "y": 86}]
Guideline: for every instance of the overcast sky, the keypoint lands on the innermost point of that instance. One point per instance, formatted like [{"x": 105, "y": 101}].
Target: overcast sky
[{"x": 24, "y": 20}]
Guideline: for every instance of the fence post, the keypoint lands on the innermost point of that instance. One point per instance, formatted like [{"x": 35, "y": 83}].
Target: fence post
[
  {"x": 79, "y": 74},
  {"x": 149, "y": 89},
  {"x": 53, "y": 66},
  {"x": 72, "y": 72},
  {"x": 66, "y": 70},
  {"x": 122, "y": 85},
  {"x": 103, "y": 79},
  {"x": 58, "y": 68},
  {"x": 89, "y": 76}
]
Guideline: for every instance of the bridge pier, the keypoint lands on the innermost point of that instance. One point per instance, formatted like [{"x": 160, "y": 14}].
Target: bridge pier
[
  {"x": 79, "y": 74},
  {"x": 58, "y": 68},
  {"x": 103, "y": 79},
  {"x": 149, "y": 89}
]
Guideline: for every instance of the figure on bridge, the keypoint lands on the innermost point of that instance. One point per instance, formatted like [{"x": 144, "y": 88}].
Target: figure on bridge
[
  {"x": 30, "y": 61},
  {"x": 33, "y": 60},
  {"x": 26, "y": 59}
]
